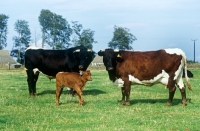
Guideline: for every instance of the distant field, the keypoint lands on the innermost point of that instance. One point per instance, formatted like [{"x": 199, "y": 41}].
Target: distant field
[{"x": 101, "y": 112}]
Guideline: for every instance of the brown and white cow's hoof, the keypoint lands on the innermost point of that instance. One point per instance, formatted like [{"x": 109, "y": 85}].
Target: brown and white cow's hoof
[
  {"x": 128, "y": 104},
  {"x": 123, "y": 102},
  {"x": 184, "y": 103},
  {"x": 169, "y": 104}
]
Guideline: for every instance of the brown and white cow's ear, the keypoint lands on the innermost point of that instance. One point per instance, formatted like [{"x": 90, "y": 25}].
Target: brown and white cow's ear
[
  {"x": 77, "y": 50},
  {"x": 101, "y": 52},
  {"x": 119, "y": 58}
]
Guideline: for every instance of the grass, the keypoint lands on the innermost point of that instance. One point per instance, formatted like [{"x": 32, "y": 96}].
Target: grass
[{"x": 101, "y": 110}]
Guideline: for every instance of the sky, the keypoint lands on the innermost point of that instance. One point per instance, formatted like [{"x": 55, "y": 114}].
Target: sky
[{"x": 157, "y": 24}]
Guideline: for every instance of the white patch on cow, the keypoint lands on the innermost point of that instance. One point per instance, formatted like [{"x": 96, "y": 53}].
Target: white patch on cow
[
  {"x": 119, "y": 83},
  {"x": 175, "y": 51},
  {"x": 33, "y": 48},
  {"x": 160, "y": 78},
  {"x": 35, "y": 70}
]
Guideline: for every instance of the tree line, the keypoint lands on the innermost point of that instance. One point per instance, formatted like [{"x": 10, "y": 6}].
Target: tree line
[{"x": 57, "y": 33}]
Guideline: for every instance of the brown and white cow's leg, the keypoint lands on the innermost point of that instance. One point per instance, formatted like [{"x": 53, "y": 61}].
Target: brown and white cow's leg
[
  {"x": 171, "y": 95},
  {"x": 123, "y": 96},
  {"x": 172, "y": 88},
  {"x": 183, "y": 94},
  {"x": 126, "y": 93}
]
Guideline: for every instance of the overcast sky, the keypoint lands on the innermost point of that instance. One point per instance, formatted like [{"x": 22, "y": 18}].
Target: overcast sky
[{"x": 157, "y": 24}]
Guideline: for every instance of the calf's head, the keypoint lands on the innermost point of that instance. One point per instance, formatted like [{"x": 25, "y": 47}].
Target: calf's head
[{"x": 86, "y": 75}]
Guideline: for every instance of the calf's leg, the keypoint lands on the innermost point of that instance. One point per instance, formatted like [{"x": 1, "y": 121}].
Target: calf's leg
[
  {"x": 79, "y": 93},
  {"x": 59, "y": 90}
]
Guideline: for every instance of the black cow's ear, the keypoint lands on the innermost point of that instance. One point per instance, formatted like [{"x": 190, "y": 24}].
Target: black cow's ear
[{"x": 101, "y": 53}]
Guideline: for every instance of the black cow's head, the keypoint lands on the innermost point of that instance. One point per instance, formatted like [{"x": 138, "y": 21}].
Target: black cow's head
[{"x": 83, "y": 56}]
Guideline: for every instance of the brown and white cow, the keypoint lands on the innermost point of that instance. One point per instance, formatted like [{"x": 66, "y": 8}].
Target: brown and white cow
[
  {"x": 72, "y": 80},
  {"x": 147, "y": 68}
]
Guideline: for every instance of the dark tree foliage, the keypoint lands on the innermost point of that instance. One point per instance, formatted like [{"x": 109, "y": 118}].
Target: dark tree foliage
[
  {"x": 56, "y": 31},
  {"x": 21, "y": 42},
  {"x": 82, "y": 36},
  {"x": 122, "y": 39},
  {"x": 3, "y": 30}
]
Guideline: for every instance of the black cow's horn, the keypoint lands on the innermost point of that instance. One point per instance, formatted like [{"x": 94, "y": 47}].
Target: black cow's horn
[
  {"x": 77, "y": 50},
  {"x": 89, "y": 50}
]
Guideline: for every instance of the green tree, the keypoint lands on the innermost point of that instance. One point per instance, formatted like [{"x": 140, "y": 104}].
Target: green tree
[
  {"x": 3, "y": 30},
  {"x": 21, "y": 42},
  {"x": 82, "y": 36},
  {"x": 122, "y": 39},
  {"x": 55, "y": 29}
]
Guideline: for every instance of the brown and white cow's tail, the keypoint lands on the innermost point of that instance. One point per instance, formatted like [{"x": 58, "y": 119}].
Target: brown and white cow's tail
[{"x": 185, "y": 68}]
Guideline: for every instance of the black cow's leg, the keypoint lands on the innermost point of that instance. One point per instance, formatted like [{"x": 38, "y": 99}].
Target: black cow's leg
[
  {"x": 171, "y": 95},
  {"x": 32, "y": 79},
  {"x": 183, "y": 94},
  {"x": 35, "y": 78}
]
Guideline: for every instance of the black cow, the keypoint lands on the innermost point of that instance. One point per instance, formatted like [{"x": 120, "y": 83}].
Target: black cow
[{"x": 50, "y": 62}]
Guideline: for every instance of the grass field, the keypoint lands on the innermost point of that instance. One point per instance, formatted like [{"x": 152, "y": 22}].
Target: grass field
[{"x": 101, "y": 112}]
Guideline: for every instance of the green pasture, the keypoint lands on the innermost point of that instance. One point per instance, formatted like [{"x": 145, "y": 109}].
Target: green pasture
[{"x": 101, "y": 111}]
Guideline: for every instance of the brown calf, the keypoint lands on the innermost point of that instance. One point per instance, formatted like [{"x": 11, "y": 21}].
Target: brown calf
[{"x": 72, "y": 80}]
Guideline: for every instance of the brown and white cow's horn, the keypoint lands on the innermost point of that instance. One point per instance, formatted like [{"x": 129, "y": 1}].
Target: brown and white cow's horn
[
  {"x": 77, "y": 50},
  {"x": 116, "y": 50},
  {"x": 89, "y": 50}
]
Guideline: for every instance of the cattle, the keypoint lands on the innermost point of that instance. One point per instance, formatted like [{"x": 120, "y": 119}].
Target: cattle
[
  {"x": 72, "y": 80},
  {"x": 50, "y": 62},
  {"x": 189, "y": 74},
  {"x": 163, "y": 66}
]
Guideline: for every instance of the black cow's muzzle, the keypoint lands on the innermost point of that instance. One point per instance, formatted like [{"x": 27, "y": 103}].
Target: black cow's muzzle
[{"x": 80, "y": 66}]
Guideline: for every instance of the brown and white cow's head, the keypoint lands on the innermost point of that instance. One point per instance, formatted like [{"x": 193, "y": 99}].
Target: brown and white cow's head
[{"x": 109, "y": 58}]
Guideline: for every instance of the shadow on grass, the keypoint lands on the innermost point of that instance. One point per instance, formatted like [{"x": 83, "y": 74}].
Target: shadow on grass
[
  {"x": 93, "y": 92},
  {"x": 154, "y": 101}
]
